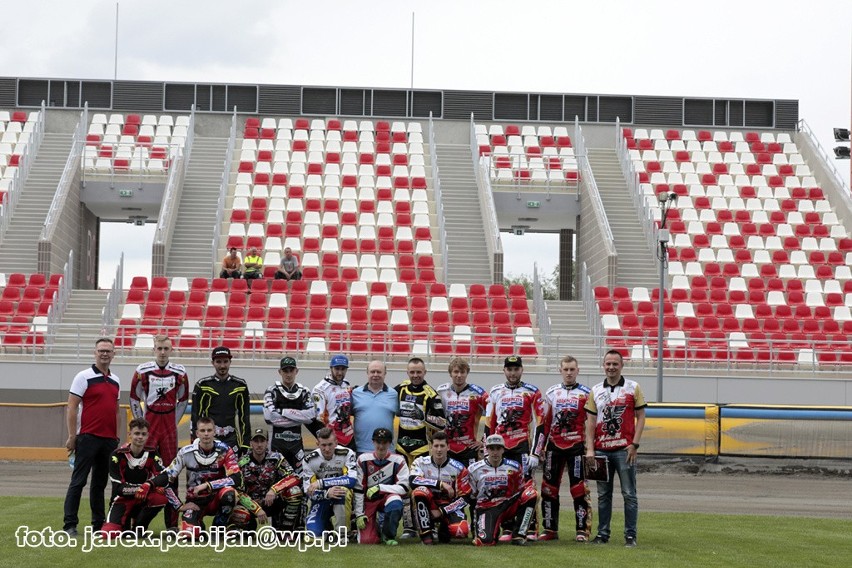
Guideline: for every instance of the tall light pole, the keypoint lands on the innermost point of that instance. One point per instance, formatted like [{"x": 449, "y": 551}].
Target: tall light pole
[{"x": 667, "y": 200}]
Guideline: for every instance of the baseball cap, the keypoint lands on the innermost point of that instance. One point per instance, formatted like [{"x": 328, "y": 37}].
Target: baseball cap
[
  {"x": 495, "y": 440},
  {"x": 259, "y": 433},
  {"x": 221, "y": 351},
  {"x": 288, "y": 362},
  {"x": 512, "y": 361},
  {"x": 382, "y": 435},
  {"x": 339, "y": 361}
]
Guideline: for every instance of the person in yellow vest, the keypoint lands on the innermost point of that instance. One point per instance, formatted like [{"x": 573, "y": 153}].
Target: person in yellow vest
[{"x": 253, "y": 265}]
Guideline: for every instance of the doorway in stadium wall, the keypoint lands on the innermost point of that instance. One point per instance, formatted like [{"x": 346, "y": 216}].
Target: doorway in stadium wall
[
  {"x": 522, "y": 252},
  {"x": 131, "y": 239}
]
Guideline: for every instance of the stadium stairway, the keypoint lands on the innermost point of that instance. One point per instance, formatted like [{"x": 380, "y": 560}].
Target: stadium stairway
[
  {"x": 636, "y": 265},
  {"x": 190, "y": 253},
  {"x": 467, "y": 261},
  {"x": 19, "y": 249},
  {"x": 84, "y": 310},
  {"x": 570, "y": 334}
]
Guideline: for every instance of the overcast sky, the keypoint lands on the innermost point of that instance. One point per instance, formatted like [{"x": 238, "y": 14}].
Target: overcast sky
[{"x": 754, "y": 49}]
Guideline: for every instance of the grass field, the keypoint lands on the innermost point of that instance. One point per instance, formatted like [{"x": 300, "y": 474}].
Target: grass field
[{"x": 665, "y": 539}]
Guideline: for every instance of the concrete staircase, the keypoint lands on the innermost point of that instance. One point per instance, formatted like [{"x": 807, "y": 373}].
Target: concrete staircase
[
  {"x": 81, "y": 323},
  {"x": 570, "y": 334},
  {"x": 467, "y": 260},
  {"x": 636, "y": 265},
  {"x": 19, "y": 249},
  {"x": 190, "y": 254}
]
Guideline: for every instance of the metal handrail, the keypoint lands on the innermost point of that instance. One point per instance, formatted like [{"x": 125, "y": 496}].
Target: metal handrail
[
  {"x": 587, "y": 177},
  {"x": 540, "y": 308},
  {"x": 60, "y": 303},
  {"x": 439, "y": 204},
  {"x": 78, "y": 142},
  {"x": 22, "y": 172},
  {"x": 729, "y": 355},
  {"x": 631, "y": 177},
  {"x": 493, "y": 242},
  {"x": 179, "y": 162},
  {"x": 590, "y": 306},
  {"x": 804, "y": 127},
  {"x": 223, "y": 189},
  {"x": 115, "y": 297}
]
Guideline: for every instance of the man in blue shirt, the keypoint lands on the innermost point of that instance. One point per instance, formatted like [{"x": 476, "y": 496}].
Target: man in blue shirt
[{"x": 374, "y": 406}]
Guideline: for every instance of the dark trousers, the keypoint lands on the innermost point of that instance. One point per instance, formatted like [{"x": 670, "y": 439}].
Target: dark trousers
[{"x": 93, "y": 453}]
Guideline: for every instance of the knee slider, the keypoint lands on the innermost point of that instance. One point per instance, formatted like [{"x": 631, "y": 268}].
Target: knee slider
[
  {"x": 549, "y": 490},
  {"x": 393, "y": 503},
  {"x": 460, "y": 529}
]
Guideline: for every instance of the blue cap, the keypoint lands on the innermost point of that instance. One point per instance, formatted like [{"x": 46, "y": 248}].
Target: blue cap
[{"x": 339, "y": 361}]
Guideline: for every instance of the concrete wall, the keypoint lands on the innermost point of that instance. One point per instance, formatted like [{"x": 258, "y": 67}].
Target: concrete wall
[
  {"x": 602, "y": 267},
  {"x": 67, "y": 232},
  {"x": 32, "y": 382}
]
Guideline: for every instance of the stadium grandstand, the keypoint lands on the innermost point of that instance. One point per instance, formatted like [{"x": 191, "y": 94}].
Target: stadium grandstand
[{"x": 394, "y": 201}]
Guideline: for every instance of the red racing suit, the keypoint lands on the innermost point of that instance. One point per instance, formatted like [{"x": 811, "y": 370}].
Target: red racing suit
[
  {"x": 561, "y": 445},
  {"x": 133, "y": 505},
  {"x": 218, "y": 467},
  {"x": 433, "y": 502},
  {"x": 501, "y": 496},
  {"x": 165, "y": 393},
  {"x": 511, "y": 411},
  {"x": 463, "y": 411}
]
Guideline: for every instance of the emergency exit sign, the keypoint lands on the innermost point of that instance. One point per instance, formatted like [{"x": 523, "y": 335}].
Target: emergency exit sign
[
  {"x": 125, "y": 193},
  {"x": 533, "y": 204}
]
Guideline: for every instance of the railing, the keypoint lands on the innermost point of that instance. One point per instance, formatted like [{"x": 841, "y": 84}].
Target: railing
[
  {"x": 645, "y": 213},
  {"x": 60, "y": 303},
  {"x": 828, "y": 160},
  {"x": 493, "y": 242},
  {"x": 588, "y": 178},
  {"x": 115, "y": 297},
  {"x": 590, "y": 306},
  {"x": 78, "y": 142},
  {"x": 521, "y": 185},
  {"x": 439, "y": 203},
  {"x": 223, "y": 189},
  {"x": 25, "y": 162},
  {"x": 731, "y": 354},
  {"x": 540, "y": 309},
  {"x": 171, "y": 201}
]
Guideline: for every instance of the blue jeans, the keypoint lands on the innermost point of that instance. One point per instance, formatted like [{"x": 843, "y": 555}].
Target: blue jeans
[{"x": 627, "y": 480}]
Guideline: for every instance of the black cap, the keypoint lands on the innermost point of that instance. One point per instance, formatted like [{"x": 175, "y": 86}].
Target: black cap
[
  {"x": 512, "y": 361},
  {"x": 288, "y": 362},
  {"x": 382, "y": 435},
  {"x": 221, "y": 351},
  {"x": 259, "y": 433}
]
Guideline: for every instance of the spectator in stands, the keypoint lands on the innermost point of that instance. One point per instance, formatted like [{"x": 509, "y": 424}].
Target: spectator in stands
[
  {"x": 253, "y": 265},
  {"x": 289, "y": 267},
  {"x": 92, "y": 418},
  {"x": 615, "y": 419},
  {"x": 373, "y": 406},
  {"x": 231, "y": 265}
]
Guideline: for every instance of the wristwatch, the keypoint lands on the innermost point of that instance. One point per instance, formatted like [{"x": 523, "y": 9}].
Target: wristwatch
[{"x": 635, "y": 445}]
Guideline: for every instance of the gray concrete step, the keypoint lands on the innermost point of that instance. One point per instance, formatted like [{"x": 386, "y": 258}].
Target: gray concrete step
[{"x": 19, "y": 248}]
